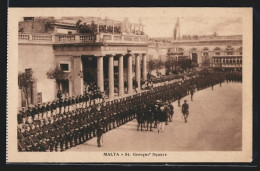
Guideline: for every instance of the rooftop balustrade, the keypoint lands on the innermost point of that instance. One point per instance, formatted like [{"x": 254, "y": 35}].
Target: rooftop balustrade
[
  {"x": 208, "y": 38},
  {"x": 82, "y": 38}
]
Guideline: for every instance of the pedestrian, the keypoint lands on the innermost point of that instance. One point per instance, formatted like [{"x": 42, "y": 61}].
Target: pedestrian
[
  {"x": 99, "y": 133},
  {"x": 192, "y": 92},
  {"x": 167, "y": 110},
  {"x": 185, "y": 110},
  {"x": 171, "y": 111},
  {"x": 162, "y": 119}
]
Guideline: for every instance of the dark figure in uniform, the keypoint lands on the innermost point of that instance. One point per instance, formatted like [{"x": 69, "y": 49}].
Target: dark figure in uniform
[
  {"x": 59, "y": 94},
  {"x": 99, "y": 133},
  {"x": 185, "y": 110},
  {"x": 149, "y": 117},
  {"x": 179, "y": 94},
  {"x": 135, "y": 84},
  {"x": 167, "y": 111},
  {"x": 19, "y": 118},
  {"x": 140, "y": 117},
  {"x": 125, "y": 84},
  {"x": 156, "y": 111},
  {"x": 171, "y": 111},
  {"x": 191, "y": 92},
  {"x": 212, "y": 83}
]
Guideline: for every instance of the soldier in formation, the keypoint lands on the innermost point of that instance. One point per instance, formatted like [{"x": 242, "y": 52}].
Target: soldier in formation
[
  {"x": 233, "y": 76},
  {"x": 70, "y": 121}
]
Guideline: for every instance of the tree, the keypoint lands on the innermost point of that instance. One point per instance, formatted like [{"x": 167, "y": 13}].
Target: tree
[
  {"x": 158, "y": 64},
  {"x": 58, "y": 74},
  {"x": 185, "y": 64},
  {"x": 170, "y": 65},
  {"x": 78, "y": 25},
  {"x": 25, "y": 82},
  {"x": 151, "y": 65}
]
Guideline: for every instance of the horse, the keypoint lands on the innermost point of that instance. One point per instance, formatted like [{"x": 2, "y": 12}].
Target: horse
[
  {"x": 140, "y": 118},
  {"x": 149, "y": 118}
]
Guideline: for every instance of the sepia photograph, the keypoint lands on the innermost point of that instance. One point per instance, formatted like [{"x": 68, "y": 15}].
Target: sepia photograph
[{"x": 129, "y": 85}]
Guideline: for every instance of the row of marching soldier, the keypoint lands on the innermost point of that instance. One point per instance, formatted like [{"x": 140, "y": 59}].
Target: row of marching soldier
[{"x": 60, "y": 126}]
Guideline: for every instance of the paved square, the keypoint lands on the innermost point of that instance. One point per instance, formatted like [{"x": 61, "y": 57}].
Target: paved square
[{"x": 214, "y": 124}]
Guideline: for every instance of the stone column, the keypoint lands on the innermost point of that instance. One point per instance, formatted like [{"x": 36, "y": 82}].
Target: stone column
[
  {"x": 111, "y": 76},
  {"x": 77, "y": 78},
  {"x": 129, "y": 75},
  {"x": 137, "y": 71},
  {"x": 100, "y": 73},
  {"x": 144, "y": 67},
  {"x": 120, "y": 75}
]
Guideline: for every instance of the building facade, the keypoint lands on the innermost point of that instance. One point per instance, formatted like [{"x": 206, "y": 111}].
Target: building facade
[
  {"x": 210, "y": 51},
  {"x": 108, "y": 53}
]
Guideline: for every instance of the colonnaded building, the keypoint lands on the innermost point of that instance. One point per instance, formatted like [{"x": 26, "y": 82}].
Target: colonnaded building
[{"x": 110, "y": 51}]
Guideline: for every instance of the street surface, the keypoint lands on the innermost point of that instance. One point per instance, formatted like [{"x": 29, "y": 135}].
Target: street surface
[{"x": 214, "y": 124}]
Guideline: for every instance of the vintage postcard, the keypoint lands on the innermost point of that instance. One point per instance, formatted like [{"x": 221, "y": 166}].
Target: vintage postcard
[{"x": 129, "y": 85}]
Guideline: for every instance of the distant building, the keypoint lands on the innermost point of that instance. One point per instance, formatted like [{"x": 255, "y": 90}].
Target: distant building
[
  {"x": 215, "y": 51},
  {"x": 210, "y": 51}
]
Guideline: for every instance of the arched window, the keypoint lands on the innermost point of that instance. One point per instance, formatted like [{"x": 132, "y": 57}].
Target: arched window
[
  {"x": 217, "y": 49},
  {"x": 229, "y": 53},
  {"x": 229, "y": 47},
  {"x": 205, "y": 49},
  {"x": 217, "y": 53},
  {"x": 205, "y": 54}
]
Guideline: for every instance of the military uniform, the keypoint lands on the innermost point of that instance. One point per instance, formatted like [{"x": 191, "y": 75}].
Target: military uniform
[
  {"x": 171, "y": 111},
  {"x": 185, "y": 111},
  {"x": 99, "y": 133}
]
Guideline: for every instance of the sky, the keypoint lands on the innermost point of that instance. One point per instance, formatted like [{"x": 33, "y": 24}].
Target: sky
[
  {"x": 160, "y": 22},
  {"x": 163, "y": 27}
]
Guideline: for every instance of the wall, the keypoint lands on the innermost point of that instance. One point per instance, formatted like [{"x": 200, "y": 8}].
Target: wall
[
  {"x": 152, "y": 53},
  {"x": 75, "y": 68},
  {"x": 69, "y": 60},
  {"x": 40, "y": 58},
  {"x": 65, "y": 31},
  {"x": 162, "y": 52}
]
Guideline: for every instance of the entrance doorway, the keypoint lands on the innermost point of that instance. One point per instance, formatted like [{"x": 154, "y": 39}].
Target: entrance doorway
[
  {"x": 194, "y": 57},
  {"x": 89, "y": 64}
]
